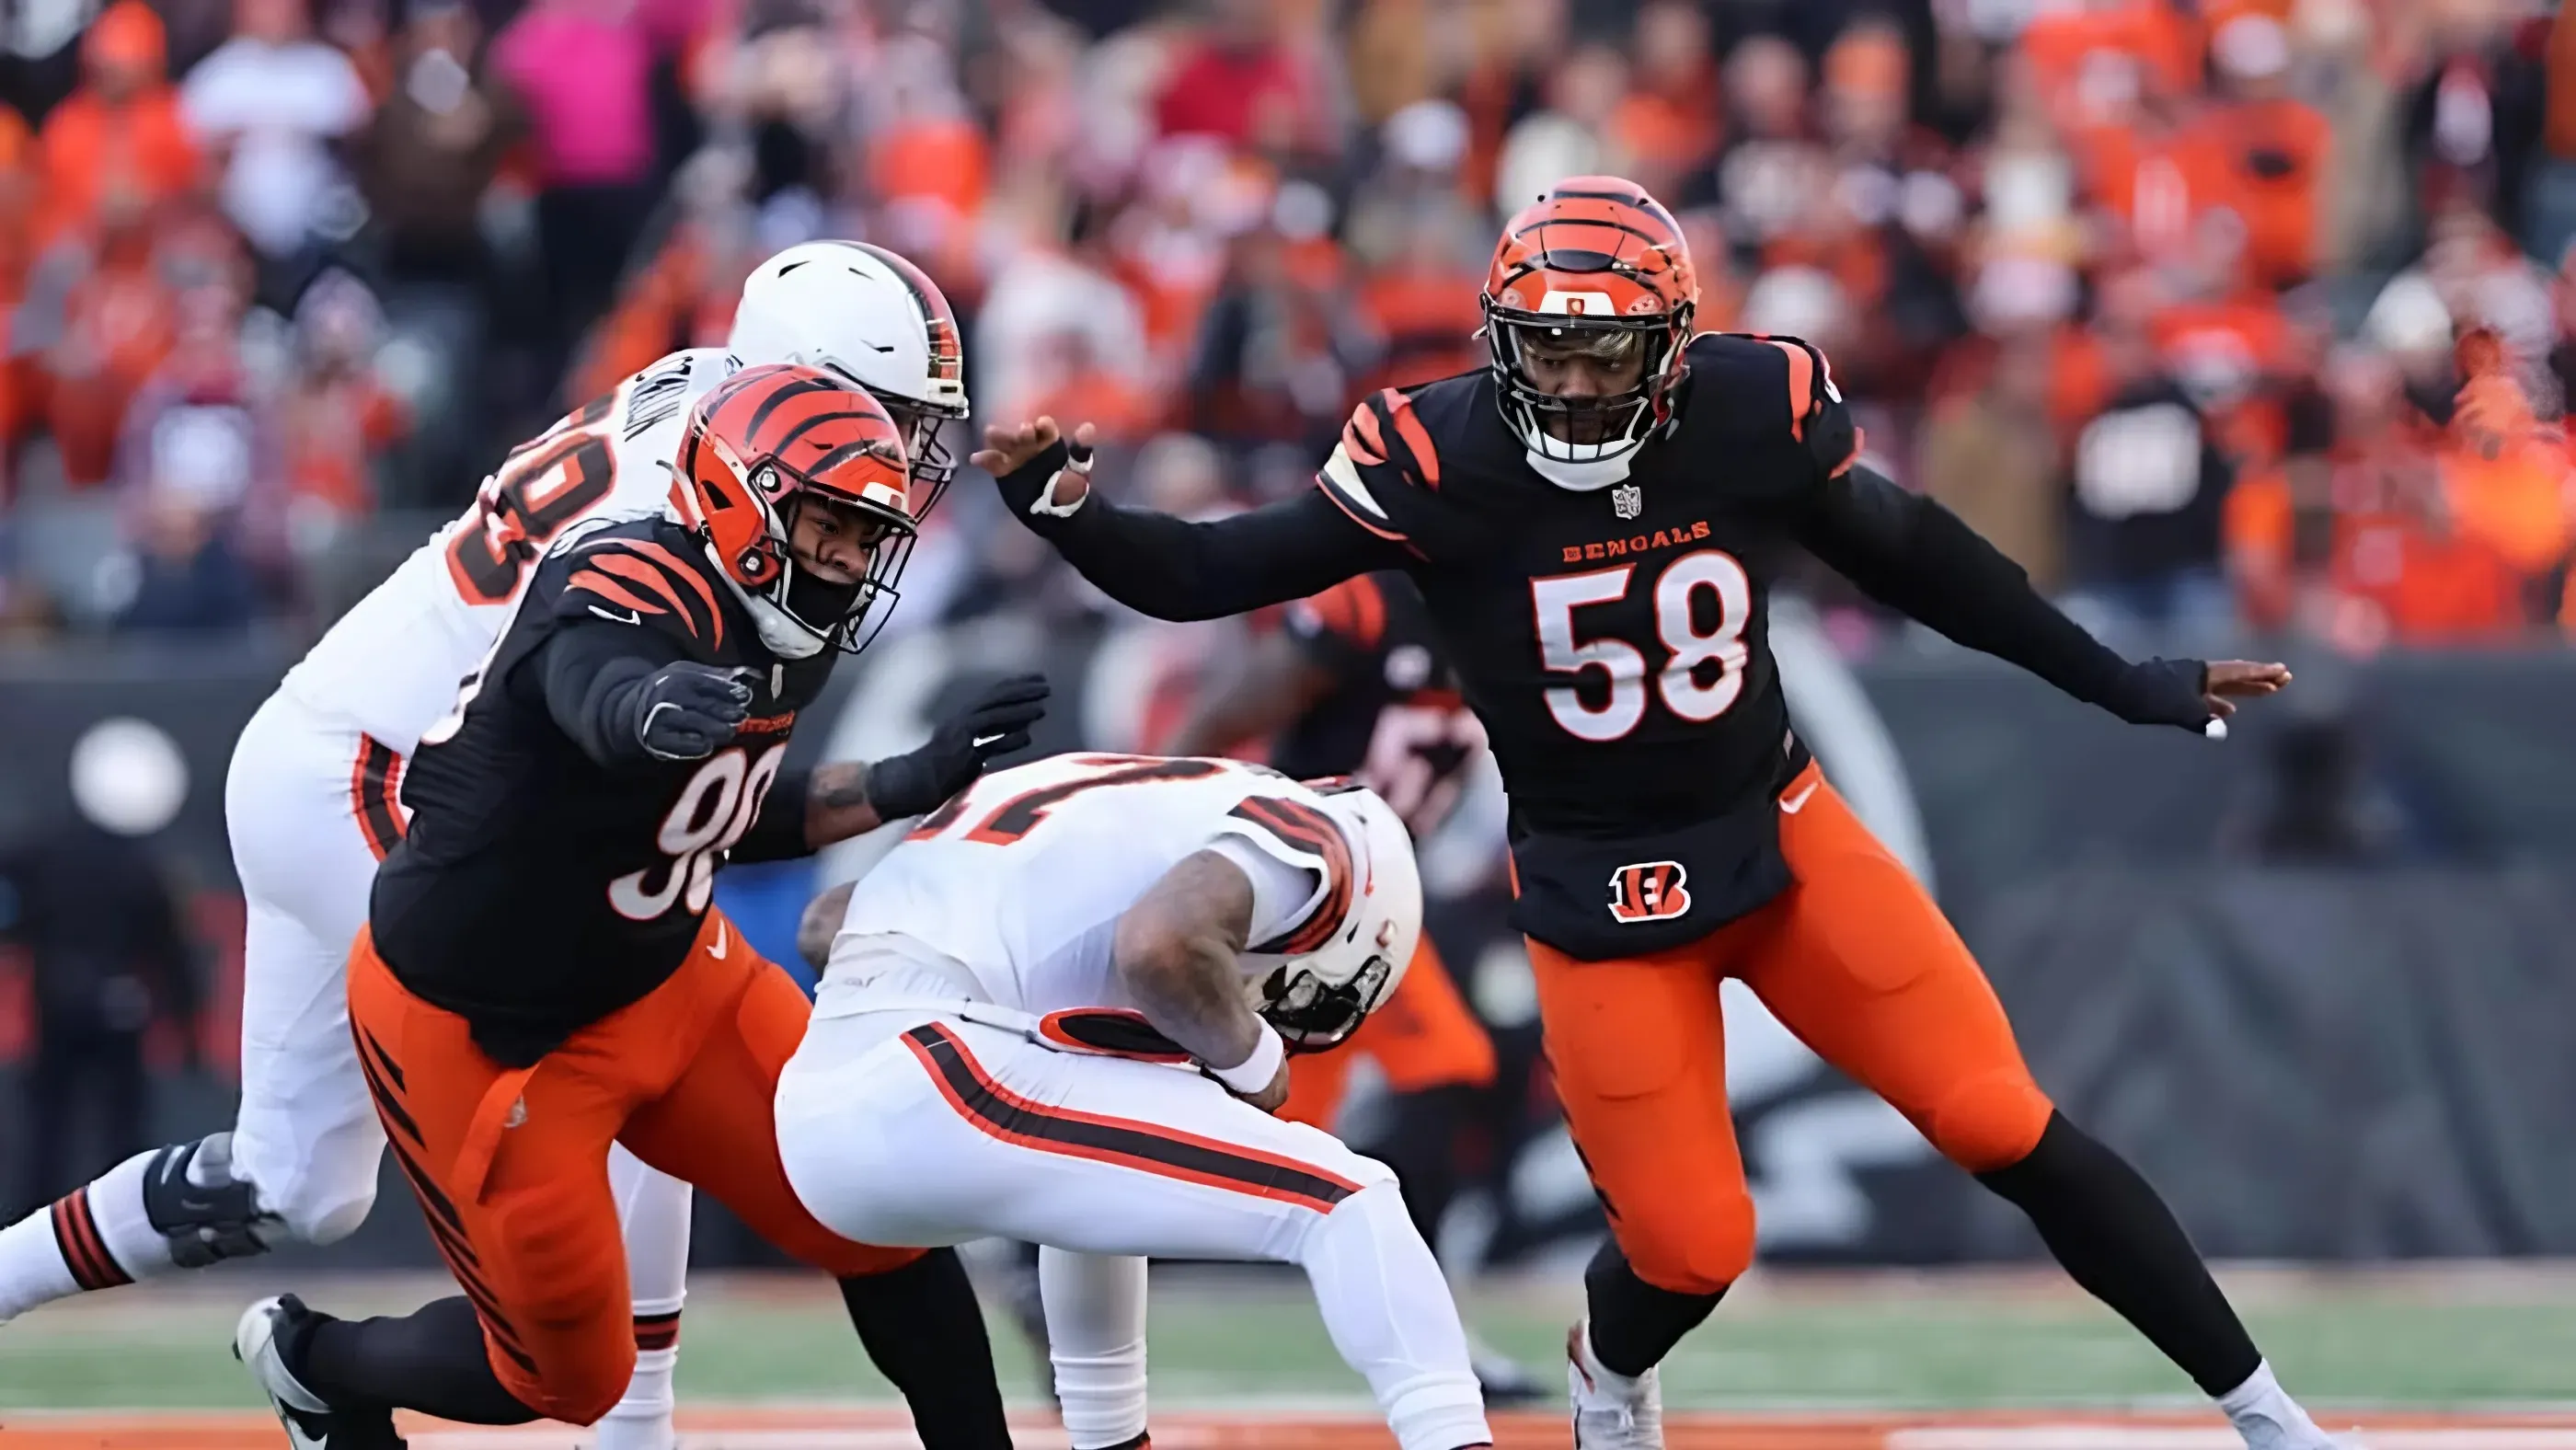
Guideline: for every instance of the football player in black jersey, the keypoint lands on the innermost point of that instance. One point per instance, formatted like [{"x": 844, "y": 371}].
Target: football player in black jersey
[
  {"x": 1352, "y": 684},
  {"x": 543, "y": 971},
  {"x": 1594, "y": 519}
]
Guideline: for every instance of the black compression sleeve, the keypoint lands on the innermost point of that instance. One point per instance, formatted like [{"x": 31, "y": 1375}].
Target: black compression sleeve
[
  {"x": 1171, "y": 568},
  {"x": 592, "y": 675},
  {"x": 1911, "y": 554}
]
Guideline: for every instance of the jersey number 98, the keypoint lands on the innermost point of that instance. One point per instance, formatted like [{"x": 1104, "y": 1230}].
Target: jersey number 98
[
  {"x": 714, "y": 810},
  {"x": 546, "y": 486}
]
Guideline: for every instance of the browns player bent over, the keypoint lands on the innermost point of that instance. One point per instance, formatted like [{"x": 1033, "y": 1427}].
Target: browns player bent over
[
  {"x": 1352, "y": 684},
  {"x": 543, "y": 973},
  {"x": 1594, "y": 519}
]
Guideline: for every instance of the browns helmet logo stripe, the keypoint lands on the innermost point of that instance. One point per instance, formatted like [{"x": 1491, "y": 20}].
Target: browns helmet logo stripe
[
  {"x": 1648, "y": 891},
  {"x": 1309, "y": 832}
]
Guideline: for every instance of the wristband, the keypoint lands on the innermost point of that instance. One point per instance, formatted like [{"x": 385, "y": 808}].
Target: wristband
[
  {"x": 1077, "y": 461},
  {"x": 1256, "y": 1072}
]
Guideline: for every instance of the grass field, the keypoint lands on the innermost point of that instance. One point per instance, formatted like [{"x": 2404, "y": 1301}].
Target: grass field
[{"x": 1877, "y": 1359}]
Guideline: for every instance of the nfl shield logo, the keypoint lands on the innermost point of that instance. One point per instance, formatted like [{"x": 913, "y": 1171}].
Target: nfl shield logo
[{"x": 1627, "y": 500}]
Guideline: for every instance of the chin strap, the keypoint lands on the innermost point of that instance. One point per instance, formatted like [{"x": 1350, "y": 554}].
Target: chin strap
[{"x": 1587, "y": 477}]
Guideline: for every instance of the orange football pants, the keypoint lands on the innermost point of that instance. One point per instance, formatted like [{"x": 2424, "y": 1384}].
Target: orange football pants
[
  {"x": 1424, "y": 1037},
  {"x": 1857, "y": 961},
  {"x": 511, "y": 1166}
]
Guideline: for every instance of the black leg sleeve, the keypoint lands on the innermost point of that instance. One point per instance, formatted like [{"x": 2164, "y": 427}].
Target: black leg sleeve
[
  {"x": 430, "y": 1360},
  {"x": 2116, "y": 1238},
  {"x": 1422, "y": 1147},
  {"x": 1635, "y": 1324},
  {"x": 925, "y": 1332}
]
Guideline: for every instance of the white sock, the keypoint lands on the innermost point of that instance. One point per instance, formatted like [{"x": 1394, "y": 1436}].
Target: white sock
[
  {"x": 2266, "y": 1416},
  {"x": 1391, "y": 1316},
  {"x": 95, "y": 1237},
  {"x": 642, "y": 1419},
  {"x": 1095, "y": 1316},
  {"x": 653, "y": 1217}
]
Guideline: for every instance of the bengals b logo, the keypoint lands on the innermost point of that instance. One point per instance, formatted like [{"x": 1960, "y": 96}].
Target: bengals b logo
[{"x": 1648, "y": 891}]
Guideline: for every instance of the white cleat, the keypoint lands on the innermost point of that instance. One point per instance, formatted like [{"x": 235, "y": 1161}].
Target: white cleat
[
  {"x": 1611, "y": 1411},
  {"x": 311, "y": 1424}
]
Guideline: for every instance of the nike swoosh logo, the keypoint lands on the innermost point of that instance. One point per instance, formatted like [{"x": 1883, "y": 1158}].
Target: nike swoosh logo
[
  {"x": 613, "y": 617},
  {"x": 717, "y": 948},
  {"x": 1791, "y": 805}
]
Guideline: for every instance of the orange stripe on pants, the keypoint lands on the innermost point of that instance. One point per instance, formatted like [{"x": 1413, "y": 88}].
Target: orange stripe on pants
[
  {"x": 1858, "y": 962},
  {"x": 511, "y": 1166}
]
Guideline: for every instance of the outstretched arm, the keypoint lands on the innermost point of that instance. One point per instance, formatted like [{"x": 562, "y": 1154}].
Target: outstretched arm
[
  {"x": 1913, "y": 555},
  {"x": 1168, "y": 567}
]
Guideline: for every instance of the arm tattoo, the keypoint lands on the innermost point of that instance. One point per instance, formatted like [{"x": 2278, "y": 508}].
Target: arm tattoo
[
  {"x": 1177, "y": 949},
  {"x": 841, "y": 786}
]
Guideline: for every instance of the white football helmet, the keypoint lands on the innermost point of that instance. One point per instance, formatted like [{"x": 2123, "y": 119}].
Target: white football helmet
[
  {"x": 870, "y": 316},
  {"x": 1318, "y": 999}
]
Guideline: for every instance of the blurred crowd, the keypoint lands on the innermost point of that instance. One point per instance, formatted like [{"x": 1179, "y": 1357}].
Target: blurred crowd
[{"x": 2220, "y": 316}]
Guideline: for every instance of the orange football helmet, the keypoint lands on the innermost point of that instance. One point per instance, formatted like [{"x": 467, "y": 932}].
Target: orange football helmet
[
  {"x": 758, "y": 449},
  {"x": 1596, "y": 255}
]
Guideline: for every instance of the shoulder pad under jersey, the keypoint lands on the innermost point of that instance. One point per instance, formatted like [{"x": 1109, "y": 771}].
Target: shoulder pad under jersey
[
  {"x": 1768, "y": 382},
  {"x": 625, "y": 575},
  {"x": 1385, "y": 471}
]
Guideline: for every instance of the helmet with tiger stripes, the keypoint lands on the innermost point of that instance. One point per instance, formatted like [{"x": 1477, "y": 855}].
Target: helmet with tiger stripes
[
  {"x": 1596, "y": 265},
  {"x": 762, "y": 447}
]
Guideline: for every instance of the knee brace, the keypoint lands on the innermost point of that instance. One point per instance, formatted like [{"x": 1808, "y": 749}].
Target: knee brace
[{"x": 193, "y": 1200}]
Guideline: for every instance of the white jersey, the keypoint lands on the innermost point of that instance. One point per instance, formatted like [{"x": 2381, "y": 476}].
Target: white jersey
[
  {"x": 1021, "y": 879},
  {"x": 392, "y": 665}
]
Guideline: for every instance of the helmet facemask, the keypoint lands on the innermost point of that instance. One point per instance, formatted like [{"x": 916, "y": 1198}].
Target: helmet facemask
[
  {"x": 1585, "y": 429},
  {"x": 846, "y": 615},
  {"x": 1314, "y": 1016}
]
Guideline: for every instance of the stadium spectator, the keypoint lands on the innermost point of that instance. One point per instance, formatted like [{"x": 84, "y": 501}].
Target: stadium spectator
[
  {"x": 269, "y": 106},
  {"x": 120, "y": 142},
  {"x": 430, "y": 153}
]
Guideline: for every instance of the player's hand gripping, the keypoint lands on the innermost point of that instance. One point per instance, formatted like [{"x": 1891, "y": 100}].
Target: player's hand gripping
[
  {"x": 2196, "y": 695},
  {"x": 996, "y": 724},
  {"x": 686, "y": 710},
  {"x": 1039, "y": 472}
]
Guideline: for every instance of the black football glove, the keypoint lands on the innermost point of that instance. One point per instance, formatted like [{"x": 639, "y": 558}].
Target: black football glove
[
  {"x": 686, "y": 709},
  {"x": 996, "y": 724},
  {"x": 2165, "y": 692}
]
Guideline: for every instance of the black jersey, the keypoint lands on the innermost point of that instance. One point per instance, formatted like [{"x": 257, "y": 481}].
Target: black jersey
[
  {"x": 1614, "y": 642},
  {"x": 1394, "y": 719},
  {"x": 554, "y": 871}
]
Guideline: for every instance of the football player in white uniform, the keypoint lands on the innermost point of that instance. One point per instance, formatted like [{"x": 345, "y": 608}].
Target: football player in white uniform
[
  {"x": 1059, "y": 1011},
  {"x": 313, "y": 803}
]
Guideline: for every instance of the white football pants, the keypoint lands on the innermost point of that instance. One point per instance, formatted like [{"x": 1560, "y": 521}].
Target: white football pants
[{"x": 898, "y": 1127}]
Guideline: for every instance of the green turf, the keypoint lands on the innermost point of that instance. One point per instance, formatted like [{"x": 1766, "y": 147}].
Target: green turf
[{"x": 1937, "y": 1342}]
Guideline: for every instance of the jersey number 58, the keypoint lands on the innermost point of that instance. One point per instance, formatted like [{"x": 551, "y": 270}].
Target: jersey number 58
[
  {"x": 714, "y": 810},
  {"x": 1689, "y": 647}
]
